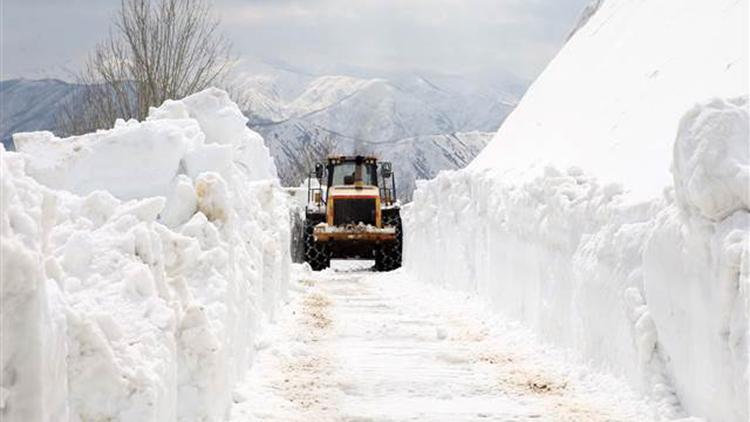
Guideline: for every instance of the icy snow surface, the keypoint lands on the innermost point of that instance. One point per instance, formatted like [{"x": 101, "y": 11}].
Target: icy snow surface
[
  {"x": 610, "y": 213},
  {"x": 360, "y": 346},
  {"x": 134, "y": 289}
]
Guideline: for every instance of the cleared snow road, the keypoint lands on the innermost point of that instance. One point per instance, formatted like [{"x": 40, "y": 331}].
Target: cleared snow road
[{"x": 359, "y": 346}]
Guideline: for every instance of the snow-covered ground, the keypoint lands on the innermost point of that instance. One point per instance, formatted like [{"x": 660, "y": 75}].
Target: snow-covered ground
[
  {"x": 609, "y": 217},
  {"x": 611, "y": 212},
  {"x": 359, "y": 346},
  {"x": 138, "y": 265}
]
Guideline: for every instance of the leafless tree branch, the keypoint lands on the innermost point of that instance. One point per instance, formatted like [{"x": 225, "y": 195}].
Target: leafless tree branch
[
  {"x": 156, "y": 50},
  {"x": 305, "y": 159}
]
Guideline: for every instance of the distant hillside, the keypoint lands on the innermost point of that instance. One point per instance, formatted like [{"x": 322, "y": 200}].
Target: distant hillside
[
  {"x": 29, "y": 105},
  {"x": 421, "y": 122}
]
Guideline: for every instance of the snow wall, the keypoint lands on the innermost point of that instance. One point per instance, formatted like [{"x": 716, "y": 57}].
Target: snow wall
[
  {"x": 610, "y": 213},
  {"x": 138, "y": 265}
]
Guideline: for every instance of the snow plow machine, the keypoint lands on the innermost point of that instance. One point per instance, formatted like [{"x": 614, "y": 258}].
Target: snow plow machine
[{"x": 352, "y": 213}]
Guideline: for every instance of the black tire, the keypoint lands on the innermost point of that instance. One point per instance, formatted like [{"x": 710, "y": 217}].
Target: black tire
[
  {"x": 297, "y": 246},
  {"x": 388, "y": 255},
  {"x": 317, "y": 254}
]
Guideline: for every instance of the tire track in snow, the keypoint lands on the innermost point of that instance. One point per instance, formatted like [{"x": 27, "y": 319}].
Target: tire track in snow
[
  {"x": 293, "y": 378},
  {"x": 308, "y": 377},
  {"x": 359, "y": 347}
]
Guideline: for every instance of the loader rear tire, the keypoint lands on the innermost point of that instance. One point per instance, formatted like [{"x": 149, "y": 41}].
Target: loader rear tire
[{"x": 317, "y": 254}]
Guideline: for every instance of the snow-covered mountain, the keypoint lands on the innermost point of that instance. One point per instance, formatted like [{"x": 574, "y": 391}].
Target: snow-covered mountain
[
  {"x": 426, "y": 118},
  {"x": 423, "y": 157}
]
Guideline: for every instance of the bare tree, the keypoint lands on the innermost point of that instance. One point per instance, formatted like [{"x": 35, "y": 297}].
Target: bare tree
[
  {"x": 156, "y": 50},
  {"x": 305, "y": 159}
]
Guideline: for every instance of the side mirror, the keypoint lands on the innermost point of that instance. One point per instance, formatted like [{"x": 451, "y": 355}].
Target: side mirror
[
  {"x": 319, "y": 170},
  {"x": 385, "y": 168}
]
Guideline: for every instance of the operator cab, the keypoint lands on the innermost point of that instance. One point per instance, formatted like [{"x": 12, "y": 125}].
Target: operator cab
[
  {"x": 356, "y": 172},
  {"x": 350, "y": 171}
]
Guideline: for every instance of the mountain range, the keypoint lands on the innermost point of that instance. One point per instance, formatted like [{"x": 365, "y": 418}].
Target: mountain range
[{"x": 422, "y": 122}]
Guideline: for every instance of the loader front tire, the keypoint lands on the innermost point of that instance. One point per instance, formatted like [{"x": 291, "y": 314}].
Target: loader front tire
[
  {"x": 317, "y": 254},
  {"x": 388, "y": 255}
]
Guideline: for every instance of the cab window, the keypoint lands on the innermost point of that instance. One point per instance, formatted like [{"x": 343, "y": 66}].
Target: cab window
[{"x": 343, "y": 174}]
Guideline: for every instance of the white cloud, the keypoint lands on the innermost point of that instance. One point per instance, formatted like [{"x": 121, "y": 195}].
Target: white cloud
[
  {"x": 519, "y": 36},
  {"x": 454, "y": 35}
]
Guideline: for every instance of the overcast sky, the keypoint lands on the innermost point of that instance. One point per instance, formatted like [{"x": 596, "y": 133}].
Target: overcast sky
[{"x": 50, "y": 38}]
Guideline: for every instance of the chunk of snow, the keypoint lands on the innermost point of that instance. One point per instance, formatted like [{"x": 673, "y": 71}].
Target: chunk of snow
[
  {"x": 203, "y": 132},
  {"x": 132, "y": 161},
  {"x": 213, "y": 199},
  {"x": 711, "y": 159},
  {"x": 182, "y": 203}
]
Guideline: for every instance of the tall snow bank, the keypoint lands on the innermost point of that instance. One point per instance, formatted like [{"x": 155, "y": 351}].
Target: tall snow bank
[
  {"x": 33, "y": 343},
  {"x": 138, "y": 295},
  {"x": 610, "y": 213},
  {"x": 696, "y": 264},
  {"x": 657, "y": 292}
]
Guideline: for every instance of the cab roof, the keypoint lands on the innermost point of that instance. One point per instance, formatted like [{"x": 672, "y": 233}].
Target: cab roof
[{"x": 335, "y": 159}]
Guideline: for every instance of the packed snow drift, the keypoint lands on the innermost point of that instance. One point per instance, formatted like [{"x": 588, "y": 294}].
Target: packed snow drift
[
  {"x": 138, "y": 265},
  {"x": 611, "y": 212}
]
